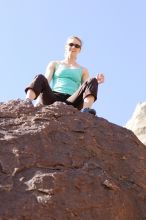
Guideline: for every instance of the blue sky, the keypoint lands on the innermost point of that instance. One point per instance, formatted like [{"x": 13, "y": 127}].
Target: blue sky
[{"x": 33, "y": 32}]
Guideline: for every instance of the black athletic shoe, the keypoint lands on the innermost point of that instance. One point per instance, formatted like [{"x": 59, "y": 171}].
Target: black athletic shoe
[
  {"x": 28, "y": 102},
  {"x": 89, "y": 110}
]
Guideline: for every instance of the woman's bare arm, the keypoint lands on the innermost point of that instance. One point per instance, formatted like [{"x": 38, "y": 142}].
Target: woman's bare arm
[{"x": 50, "y": 70}]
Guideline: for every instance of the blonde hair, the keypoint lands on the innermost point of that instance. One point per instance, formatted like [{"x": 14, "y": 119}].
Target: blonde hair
[{"x": 75, "y": 37}]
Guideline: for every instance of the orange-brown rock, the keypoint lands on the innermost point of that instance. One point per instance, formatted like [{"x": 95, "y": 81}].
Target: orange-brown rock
[{"x": 57, "y": 163}]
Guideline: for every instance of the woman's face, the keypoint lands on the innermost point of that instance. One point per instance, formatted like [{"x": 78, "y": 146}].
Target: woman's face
[{"x": 73, "y": 46}]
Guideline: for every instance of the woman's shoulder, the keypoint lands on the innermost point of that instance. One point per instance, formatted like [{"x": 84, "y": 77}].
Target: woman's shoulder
[
  {"x": 81, "y": 67},
  {"x": 54, "y": 62},
  {"x": 84, "y": 69}
]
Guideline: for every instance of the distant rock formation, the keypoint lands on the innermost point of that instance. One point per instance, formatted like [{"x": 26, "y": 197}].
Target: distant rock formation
[
  {"x": 137, "y": 123},
  {"x": 57, "y": 163}
]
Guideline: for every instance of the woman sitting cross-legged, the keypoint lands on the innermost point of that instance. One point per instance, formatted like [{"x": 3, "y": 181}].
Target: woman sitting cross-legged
[{"x": 70, "y": 82}]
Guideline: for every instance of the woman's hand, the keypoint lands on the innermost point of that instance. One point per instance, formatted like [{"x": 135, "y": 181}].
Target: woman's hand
[{"x": 100, "y": 78}]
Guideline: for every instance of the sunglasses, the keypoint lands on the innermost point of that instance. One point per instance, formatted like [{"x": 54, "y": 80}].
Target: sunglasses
[{"x": 75, "y": 45}]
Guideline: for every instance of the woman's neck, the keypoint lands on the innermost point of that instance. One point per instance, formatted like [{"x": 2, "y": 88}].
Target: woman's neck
[{"x": 70, "y": 60}]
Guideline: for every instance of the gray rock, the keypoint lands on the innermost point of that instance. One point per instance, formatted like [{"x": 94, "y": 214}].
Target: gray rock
[{"x": 137, "y": 123}]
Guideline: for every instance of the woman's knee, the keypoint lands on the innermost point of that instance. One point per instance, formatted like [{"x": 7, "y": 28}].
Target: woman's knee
[
  {"x": 40, "y": 77},
  {"x": 93, "y": 81}
]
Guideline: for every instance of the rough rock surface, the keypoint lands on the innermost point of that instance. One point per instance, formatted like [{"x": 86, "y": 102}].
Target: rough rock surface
[
  {"x": 137, "y": 123},
  {"x": 57, "y": 163}
]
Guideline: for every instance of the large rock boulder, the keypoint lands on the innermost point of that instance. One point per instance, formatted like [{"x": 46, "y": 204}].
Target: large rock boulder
[
  {"x": 57, "y": 163},
  {"x": 137, "y": 123}
]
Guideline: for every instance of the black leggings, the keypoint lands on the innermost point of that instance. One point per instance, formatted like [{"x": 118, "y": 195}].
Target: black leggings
[{"x": 42, "y": 89}]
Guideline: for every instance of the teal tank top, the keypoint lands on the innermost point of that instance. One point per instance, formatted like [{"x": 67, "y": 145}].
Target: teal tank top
[{"x": 66, "y": 79}]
